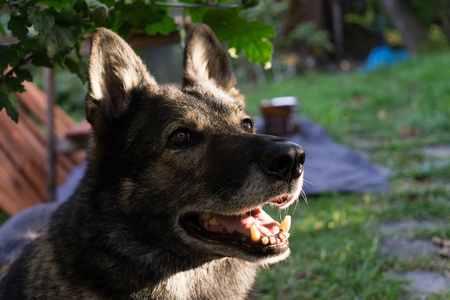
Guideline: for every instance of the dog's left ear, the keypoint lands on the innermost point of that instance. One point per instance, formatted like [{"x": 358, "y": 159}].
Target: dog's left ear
[
  {"x": 114, "y": 72},
  {"x": 205, "y": 59}
]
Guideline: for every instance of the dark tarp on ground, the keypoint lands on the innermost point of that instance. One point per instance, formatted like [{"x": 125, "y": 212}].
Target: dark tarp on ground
[{"x": 330, "y": 167}]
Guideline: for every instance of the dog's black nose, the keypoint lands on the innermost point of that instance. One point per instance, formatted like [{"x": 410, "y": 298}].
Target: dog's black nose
[{"x": 283, "y": 159}]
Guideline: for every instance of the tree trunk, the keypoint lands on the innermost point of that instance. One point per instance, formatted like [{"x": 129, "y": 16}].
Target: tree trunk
[
  {"x": 304, "y": 11},
  {"x": 445, "y": 20},
  {"x": 407, "y": 23},
  {"x": 338, "y": 28}
]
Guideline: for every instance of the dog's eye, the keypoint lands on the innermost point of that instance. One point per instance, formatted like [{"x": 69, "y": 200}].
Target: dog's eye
[
  {"x": 180, "y": 137},
  {"x": 247, "y": 125}
]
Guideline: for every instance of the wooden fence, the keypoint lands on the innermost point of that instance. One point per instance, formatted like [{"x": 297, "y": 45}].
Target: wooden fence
[{"x": 23, "y": 154}]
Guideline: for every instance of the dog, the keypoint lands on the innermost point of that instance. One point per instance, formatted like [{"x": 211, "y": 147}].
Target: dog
[{"x": 170, "y": 206}]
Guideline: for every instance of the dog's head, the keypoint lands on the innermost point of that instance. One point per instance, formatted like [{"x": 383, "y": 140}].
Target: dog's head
[{"x": 184, "y": 166}]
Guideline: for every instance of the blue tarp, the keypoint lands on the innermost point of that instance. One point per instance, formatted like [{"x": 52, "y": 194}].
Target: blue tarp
[{"x": 383, "y": 56}]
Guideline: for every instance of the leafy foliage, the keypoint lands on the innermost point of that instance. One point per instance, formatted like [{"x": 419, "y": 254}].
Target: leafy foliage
[
  {"x": 251, "y": 38},
  {"x": 307, "y": 32},
  {"x": 50, "y": 32}
]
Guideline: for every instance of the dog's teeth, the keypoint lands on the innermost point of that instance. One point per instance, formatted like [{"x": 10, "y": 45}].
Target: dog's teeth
[
  {"x": 272, "y": 240},
  {"x": 264, "y": 240},
  {"x": 213, "y": 221},
  {"x": 282, "y": 237},
  {"x": 278, "y": 241},
  {"x": 285, "y": 224},
  {"x": 205, "y": 216},
  {"x": 255, "y": 234}
]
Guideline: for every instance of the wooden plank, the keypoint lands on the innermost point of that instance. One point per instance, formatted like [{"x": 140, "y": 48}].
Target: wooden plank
[
  {"x": 27, "y": 155},
  {"x": 24, "y": 120},
  {"x": 66, "y": 162},
  {"x": 27, "y": 145},
  {"x": 16, "y": 192},
  {"x": 34, "y": 101}
]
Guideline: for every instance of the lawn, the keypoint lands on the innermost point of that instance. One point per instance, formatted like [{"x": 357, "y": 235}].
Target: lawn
[{"x": 392, "y": 114}]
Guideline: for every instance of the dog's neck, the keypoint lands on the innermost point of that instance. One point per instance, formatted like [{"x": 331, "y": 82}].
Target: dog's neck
[{"x": 225, "y": 278}]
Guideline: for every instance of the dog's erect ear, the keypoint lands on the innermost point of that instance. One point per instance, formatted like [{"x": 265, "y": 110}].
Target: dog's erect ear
[
  {"x": 205, "y": 59},
  {"x": 114, "y": 71}
]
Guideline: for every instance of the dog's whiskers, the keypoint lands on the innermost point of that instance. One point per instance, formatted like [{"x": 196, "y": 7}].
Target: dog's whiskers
[
  {"x": 307, "y": 181},
  {"x": 302, "y": 192}
]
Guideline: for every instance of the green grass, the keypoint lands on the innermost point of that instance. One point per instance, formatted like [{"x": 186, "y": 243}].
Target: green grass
[
  {"x": 335, "y": 240},
  {"x": 351, "y": 105}
]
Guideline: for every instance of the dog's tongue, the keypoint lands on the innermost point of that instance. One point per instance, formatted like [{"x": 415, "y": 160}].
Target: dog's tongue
[{"x": 264, "y": 223}]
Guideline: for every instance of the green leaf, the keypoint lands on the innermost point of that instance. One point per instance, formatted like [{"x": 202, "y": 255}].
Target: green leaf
[
  {"x": 125, "y": 30},
  {"x": 68, "y": 17},
  {"x": 42, "y": 60},
  {"x": 42, "y": 21},
  {"x": 164, "y": 27},
  {"x": 80, "y": 5},
  {"x": 10, "y": 106},
  {"x": 54, "y": 3},
  {"x": 258, "y": 49},
  {"x": 224, "y": 23},
  {"x": 14, "y": 84},
  {"x": 139, "y": 14},
  {"x": 27, "y": 46},
  {"x": 250, "y": 37},
  {"x": 18, "y": 26},
  {"x": 24, "y": 74},
  {"x": 5, "y": 56},
  {"x": 58, "y": 41},
  {"x": 196, "y": 13}
]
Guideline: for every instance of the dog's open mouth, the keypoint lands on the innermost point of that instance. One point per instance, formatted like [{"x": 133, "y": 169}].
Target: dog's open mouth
[{"x": 253, "y": 232}]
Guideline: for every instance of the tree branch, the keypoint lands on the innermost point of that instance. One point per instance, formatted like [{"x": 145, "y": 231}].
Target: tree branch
[
  {"x": 15, "y": 2},
  {"x": 191, "y": 5},
  {"x": 22, "y": 62}
]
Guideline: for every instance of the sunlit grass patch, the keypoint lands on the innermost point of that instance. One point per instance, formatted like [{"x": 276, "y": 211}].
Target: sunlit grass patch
[{"x": 335, "y": 254}]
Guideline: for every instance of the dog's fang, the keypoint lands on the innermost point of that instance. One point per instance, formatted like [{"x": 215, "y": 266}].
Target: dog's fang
[
  {"x": 213, "y": 221},
  {"x": 285, "y": 224},
  {"x": 272, "y": 240},
  {"x": 282, "y": 236},
  {"x": 255, "y": 234}
]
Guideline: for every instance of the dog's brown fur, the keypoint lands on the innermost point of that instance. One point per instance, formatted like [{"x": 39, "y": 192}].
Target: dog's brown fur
[{"x": 119, "y": 235}]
